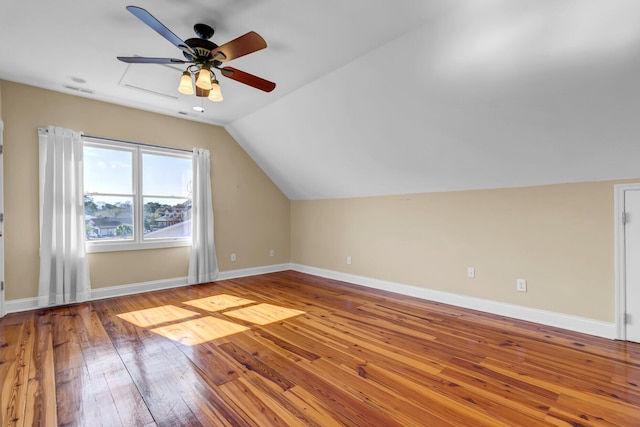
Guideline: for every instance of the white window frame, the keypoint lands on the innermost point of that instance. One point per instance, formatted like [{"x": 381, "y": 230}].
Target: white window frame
[{"x": 138, "y": 242}]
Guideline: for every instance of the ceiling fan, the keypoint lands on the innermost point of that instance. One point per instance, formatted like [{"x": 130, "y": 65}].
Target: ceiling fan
[{"x": 203, "y": 56}]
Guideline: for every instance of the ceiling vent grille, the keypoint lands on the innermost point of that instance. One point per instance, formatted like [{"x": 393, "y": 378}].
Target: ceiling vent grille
[{"x": 79, "y": 89}]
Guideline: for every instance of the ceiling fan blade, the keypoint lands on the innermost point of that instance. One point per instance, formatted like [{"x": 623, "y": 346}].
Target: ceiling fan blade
[
  {"x": 243, "y": 45},
  {"x": 248, "y": 79},
  {"x": 156, "y": 25},
  {"x": 141, "y": 60}
]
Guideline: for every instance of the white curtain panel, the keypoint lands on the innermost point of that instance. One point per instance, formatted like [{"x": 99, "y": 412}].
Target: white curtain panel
[
  {"x": 203, "y": 265},
  {"x": 64, "y": 271}
]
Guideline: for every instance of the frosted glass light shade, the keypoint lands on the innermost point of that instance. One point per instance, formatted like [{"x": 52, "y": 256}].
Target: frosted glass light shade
[
  {"x": 215, "y": 94},
  {"x": 204, "y": 79},
  {"x": 186, "y": 84}
]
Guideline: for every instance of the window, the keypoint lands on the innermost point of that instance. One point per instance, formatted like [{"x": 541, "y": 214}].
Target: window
[{"x": 135, "y": 196}]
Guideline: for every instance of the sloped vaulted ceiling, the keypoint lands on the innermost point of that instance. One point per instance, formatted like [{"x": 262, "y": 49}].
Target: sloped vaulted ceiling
[{"x": 490, "y": 94}]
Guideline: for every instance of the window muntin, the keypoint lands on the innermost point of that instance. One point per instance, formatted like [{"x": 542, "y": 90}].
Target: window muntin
[{"x": 136, "y": 197}]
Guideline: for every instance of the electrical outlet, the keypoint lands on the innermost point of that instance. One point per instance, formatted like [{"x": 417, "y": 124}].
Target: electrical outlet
[
  {"x": 521, "y": 285},
  {"x": 272, "y": 253},
  {"x": 348, "y": 260},
  {"x": 233, "y": 257},
  {"x": 471, "y": 272}
]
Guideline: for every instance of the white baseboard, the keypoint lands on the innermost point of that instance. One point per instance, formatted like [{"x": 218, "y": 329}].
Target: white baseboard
[
  {"x": 25, "y": 304},
  {"x": 253, "y": 271},
  {"x": 137, "y": 288},
  {"x": 549, "y": 318}
]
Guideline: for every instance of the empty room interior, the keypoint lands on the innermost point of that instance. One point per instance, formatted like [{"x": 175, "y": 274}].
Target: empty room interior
[{"x": 363, "y": 213}]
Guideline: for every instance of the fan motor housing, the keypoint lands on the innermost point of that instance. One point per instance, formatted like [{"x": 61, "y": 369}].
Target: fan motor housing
[{"x": 201, "y": 47}]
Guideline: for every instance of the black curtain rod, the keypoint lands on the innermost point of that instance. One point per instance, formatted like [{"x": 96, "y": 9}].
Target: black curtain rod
[{"x": 128, "y": 142}]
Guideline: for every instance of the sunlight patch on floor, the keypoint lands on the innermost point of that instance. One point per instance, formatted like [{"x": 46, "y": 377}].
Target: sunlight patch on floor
[
  {"x": 219, "y": 302},
  {"x": 263, "y": 314},
  {"x": 198, "y": 331},
  {"x": 192, "y": 328},
  {"x": 157, "y": 315}
]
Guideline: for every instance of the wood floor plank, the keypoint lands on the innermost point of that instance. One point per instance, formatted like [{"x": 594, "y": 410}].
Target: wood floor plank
[
  {"x": 446, "y": 402},
  {"x": 283, "y": 406},
  {"x": 255, "y": 409},
  {"x": 112, "y": 385},
  {"x": 17, "y": 359},
  {"x": 41, "y": 409},
  {"x": 211, "y": 359},
  {"x": 607, "y": 412},
  {"x": 293, "y": 349},
  {"x": 75, "y": 405},
  {"x": 314, "y": 410}
]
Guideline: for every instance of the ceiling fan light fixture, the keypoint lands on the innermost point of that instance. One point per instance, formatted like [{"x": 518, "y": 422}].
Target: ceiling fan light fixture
[
  {"x": 203, "y": 80},
  {"x": 215, "y": 94},
  {"x": 202, "y": 57},
  {"x": 186, "y": 84}
]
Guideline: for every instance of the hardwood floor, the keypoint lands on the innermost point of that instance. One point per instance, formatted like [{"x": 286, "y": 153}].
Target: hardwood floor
[{"x": 292, "y": 349}]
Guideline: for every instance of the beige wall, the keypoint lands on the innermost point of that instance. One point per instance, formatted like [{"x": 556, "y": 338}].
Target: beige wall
[
  {"x": 251, "y": 213},
  {"x": 560, "y": 238}
]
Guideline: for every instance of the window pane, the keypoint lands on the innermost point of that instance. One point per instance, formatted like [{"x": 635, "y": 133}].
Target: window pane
[
  {"x": 108, "y": 218},
  {"x": 166, "y": 175},
  {"x": 107, "y": 171},
  {"x": 167, "y": 218}
]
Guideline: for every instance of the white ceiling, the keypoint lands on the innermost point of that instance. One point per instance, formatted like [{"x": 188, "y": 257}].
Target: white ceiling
[{"x": 374, "y": 97}]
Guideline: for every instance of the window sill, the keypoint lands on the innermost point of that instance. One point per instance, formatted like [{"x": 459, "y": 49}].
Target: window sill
[{"x": 97, "y": 247}]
